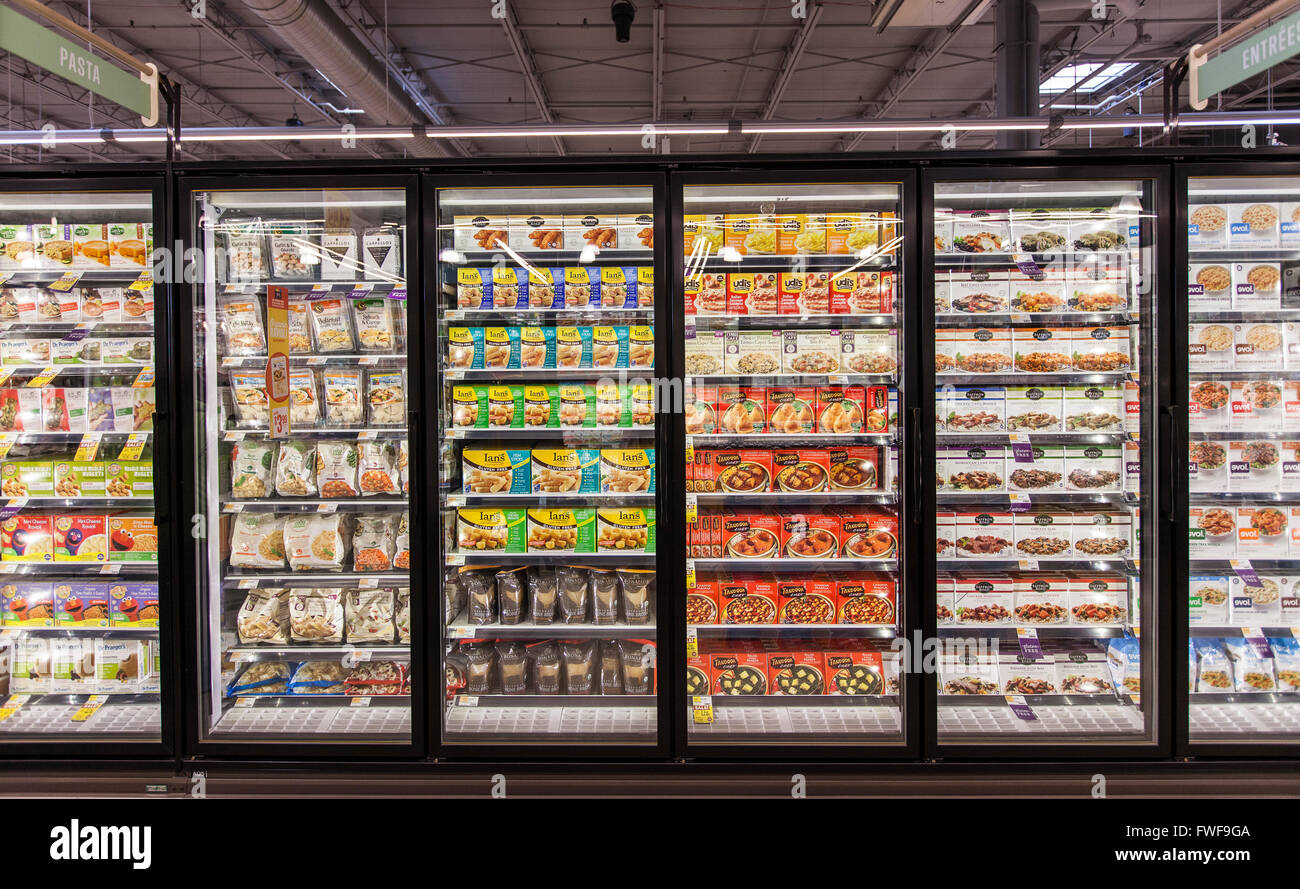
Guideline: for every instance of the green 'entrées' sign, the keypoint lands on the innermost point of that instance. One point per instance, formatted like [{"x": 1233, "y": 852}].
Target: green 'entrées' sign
[
  {"x": 1254, "y": 55},
  {"x": 24, "y": 37}
]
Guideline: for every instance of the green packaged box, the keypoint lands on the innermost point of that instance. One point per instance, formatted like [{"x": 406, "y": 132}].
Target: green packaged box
[
  {"x": 128, "y": 478},
  {"x": 625, "y": 529},
  {"x": 27, "y": 479},
  {"x": 490, "y": 531},
  {"x": 80, "y": 478},
  {"x": 562, "y": 529}
]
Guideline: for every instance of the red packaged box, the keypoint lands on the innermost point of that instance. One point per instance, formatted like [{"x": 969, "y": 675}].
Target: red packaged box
[
  {"x": 864, "y": 292},
  {"x": 807, "y": 601},
  {"x": 751, "y": 535},
  {"x": 868, "y": 534},
  {"x": 790, "y": 409},
  {"x": 789, "y": 293},
  {"x": 866, "y": 599},
  {"x": 816, "y": 293},
  {"x": 842, "y": 289},
  {"x": 840, "y": 409},
  {"x": 700, "y": 404},
  {"x": 744, "y": 600},
  {"x": 801, "y": 470},
  {"x": 810, "y": 535},
  {"x": 702, "y": 601},
  {"x": 854, "y": 468},
  {"x": 763, "y": 299},
  {"x": 875, "y": 405},
  {"x": 854, "y": 671},
  {"x": 699, "y": 682},
  {"x": 796, "y": 673},
  {"x": 739, "y": 287},
  {"x": 738, "y": 672},
  {"x": 742, "y": 410},
  {"x": 742, "y": 471}
]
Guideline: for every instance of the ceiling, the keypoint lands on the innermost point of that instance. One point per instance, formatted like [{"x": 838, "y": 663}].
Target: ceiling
[{"x": 499, "y": 62}]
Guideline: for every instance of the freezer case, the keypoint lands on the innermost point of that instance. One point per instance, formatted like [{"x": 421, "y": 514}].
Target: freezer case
[
  {"x": 549, "y": 482},
  {"x": 302, "y": 465},
  {"x": 792, "y": 352},
  {"x": 1043, "y": 362},
  {"x": 80, "y": 605},
  {"x": 1242, "y": 478}
]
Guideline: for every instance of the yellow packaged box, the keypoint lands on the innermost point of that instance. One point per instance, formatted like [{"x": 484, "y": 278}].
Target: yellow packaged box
[{"x": 704, "y": 228}]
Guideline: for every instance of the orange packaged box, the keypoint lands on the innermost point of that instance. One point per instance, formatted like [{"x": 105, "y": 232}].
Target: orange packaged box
[
  {"x": 747, "y": 598},
  {"x": 27, "y": 538},
  {"x": 854, "y": 671},
  {"x": 790, "y": 409},
  {"x": 866, "y": 599},
  {"x": 796, "y": 673},
  {"x": 801, "y": 470},
  {"x": 743, "y": 471},
  {"x": 868, "y": 534},
  {"x": 840, "y": 409},
  {"x": 702, "y": 601},
  {"x": 810, "y": 535},
  {"x": 750, "y": 535},
  {"x": 80, "y": 538},
  {"x": 807, "y": 600},
  {"x": 854, "y": 468},
  {"x": 698, "y": 683},
  {"x": 738, "y": 672},
  {"x": 875, "y": 403}
]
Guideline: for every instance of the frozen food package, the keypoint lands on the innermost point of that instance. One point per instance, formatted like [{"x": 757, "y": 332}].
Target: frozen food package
[
  {"x": 512, "y": 602},
  {"x": 374, "y": 678},
  {"x": 315, "y": 542},
  {"x": 369, "y": 615},
  {"x": 331, "y": 324},
  {"x": 295, "y": 252},
  {"x": 336, "y": 469},
  {"x": 1251, "y": 670},
  {"x": 52, "y": 305},
  {"x": 295, "y": 469},
  {"x": 377, "y": 467},
  {"x": 374, "y": 542},
  {"x": 1286, "y": 662},
  {"x": 544, "y": 663},
  {"x": 573, "y": 585},
  {"x": 261, "y": 678},
  {"x": 241, "y": 326},
  {"x": 264, "y": 617},
  {"x": 316, "y": 615},
  {"x": 578, "y": 661},
  {"x": 248, "y": 393},
  {"x": 512, "y": 664},
  {"x": 402, "y": 616},
  {"x": 636, "y": 591},
  {"x": 386, "y": 396},
  {"x": 480, "y": 671},
  {"x": 342, "y": 396},
  {"x": 381, "y": 250},
  {"x": 543, "y": 585},
  {"x": 339, "y": 259},
  {"x": 402, "y": 547},
  {"x": 318, "y": 678},
  {"x": 374, "y": 323},
  {"x": 252, "y": 466},
  {"x": 299, "y": 327},
  {"x": 611, "y": 668},
  {"x": 1213, "y": 668},
  {"x": 143, "y": 407},
  {"x": 257, "y": 541},
  {"x": 604, "y": 595},
  {"x": 479, "y": 586},
  {"x": 638, "y": 666},
  {"x": 304, "y": 403},
  {"x": 404, "y": 465}
]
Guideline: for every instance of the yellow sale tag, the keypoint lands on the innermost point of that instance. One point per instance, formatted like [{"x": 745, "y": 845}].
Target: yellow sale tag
[
  {"x": 142, "y": 283},
  {"x": 13, "y": 705},
  {"x": 690, "y": 575},
  {"x": 144, "y": 379},
  {"x": 89, "y": 446},
  {"x": 7, "y": 441},
  {"x": 5, "y": 374},
  {"x": 690, "y": 453},
  {"x": 93, "y": 703},
  {"x": 692, "y": 508},
  {"x": 42, "y": 379},
  {"x": 702, "y": 710},
  {"x": 692, "y": 642},
  {"x": 66, "y": 282},
  {"x": 133, "y": 447}
]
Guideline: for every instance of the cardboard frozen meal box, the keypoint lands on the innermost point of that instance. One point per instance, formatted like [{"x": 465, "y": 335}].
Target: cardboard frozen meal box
[
  {"x": 27, "y": 478},
  {"x": 1098, "y": 599},
  {"x": 490, "y": 530},
  {"x": 869, "y": 351},
  {"x": 27, "y": 604},
  {"x": 1042, "y": 598},
  {"x": 1040, "y": 230},
  {"x": 1255, "y": 606},
  {"x": 1212, "y": 532},
  {"x": 1209, "y": 287},
  {"x": 1023, "y": 675},
  {"x": 538, "y": 232},
  {"x": 80, "y": 538},
  {"x": 1207, "y": 600},
  {"x": 800, "y": 233},
  {"x": 981, "y": 231},
  {"x": 1207, "y": 226},
  {"x": 133, "y": 604},
  {"x": 132, "y": 538},
  {"x": 561, "y": 529},
  {"x": 976, "y": 409},
  {"x": 1256, "y": 285},
  {"x": 482, "y": 233},
  {"x": 1037, "y": 291},
  {"x": 81, "y": 604},
  {"x": 984, "y": 534},
  {"x": 984, "y": 601},
  {"x": 973, "y": 468},
  {"x": 1032, "y": 409},
  {"x": 979, "y": 292},
  {"x": 1093, "y": 408},
  {"x": 625, "y": 529},
  {"x": 1043, "y": 533},
  {"x": 1254, "y": 466},
  {"x": 982, "y": 350},
  {"x": 1207, "y": 464},
  {"x": 1253, "y": 224},
  {"x": 1259, "y": 345},
  {"x": 27, "y": 538},
  {"x": 493, "y": 471},
  {"x": 1036, "y": 467},
  {"x": 1043, "y": 349}
]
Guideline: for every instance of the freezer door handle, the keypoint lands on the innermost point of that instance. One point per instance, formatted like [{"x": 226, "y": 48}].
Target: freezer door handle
[
  {"x": 1169, "y": 486},
  {"x": 915, "y": 446},
  {"x": 412, "y": 461}
]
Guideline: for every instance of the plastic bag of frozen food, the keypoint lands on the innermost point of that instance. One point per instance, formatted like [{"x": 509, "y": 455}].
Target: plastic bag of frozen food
[
  {"x": 386, "y": 395},
  {"x": 579, "y": 667},
  {"x": 480, "y": 590},
  {"x": 573, "y": 592},
  {"x": 373, "y": 543},
  {"x": 377, "y": 464},
  {"x": 480, "y": 672},
  {"x": 403, "y": 465},
  {"x": 241, "y": 326},
  {"x": 1286, "y": 662},
  {"x": 295, "y": 470},
  {"x": 1251, "y": 672},
  {"x": 248, "y": 392},
  {"x": 544, "y": 661},
  {"x": 402, "y": 552},
  {"x": 1214, "y": 669},
  {"x": 304, "y": 404},
  {"x": 299, "y": 327},
  {"x": 342, "y": 397},
  {"x": 336, "y": 469},
  {"x": 402, "y": 616},
  {"x": 542, "y": 584},
  {"x": 512, "y": 598},
  {"x": 257, "y": 541},
  {"x": 611, "y": 668},
  {"x": 374, "y": 322},
  {"x": 369, "y": 615},
  {"x": 512, "y": 662},
  {"x": 295, "y": 252},
  {"x": 375, "y": 678},
  {"x": 332, "y": 325},
  {"x": 252, "y": 466},
  {"x": 318, "y": 678},
  {"x": 316, "y": 542},
  {"x": 264, "y": 617},
  {"x": 261, "y": 678},
  {"x": 316, "y": 615}
]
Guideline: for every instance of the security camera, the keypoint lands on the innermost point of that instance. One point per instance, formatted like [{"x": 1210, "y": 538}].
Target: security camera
[{"x": 622, "y": 12}]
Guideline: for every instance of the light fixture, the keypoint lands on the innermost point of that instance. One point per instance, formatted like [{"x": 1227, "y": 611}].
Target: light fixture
[
  {"x": 623, "y": 13},
  {"x": 731, "y": 254},
  {"x": 452, "y": 256},
  {"x": 588, "y": 253}
]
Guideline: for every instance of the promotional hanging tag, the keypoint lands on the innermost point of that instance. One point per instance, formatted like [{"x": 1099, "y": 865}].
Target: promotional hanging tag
[
  {"x": 1020, "y": 708},
  {"x": 702, "y": 709},
  {"x": 277, "y": 359},
  {"x": 1030, "y": 646},
  {"x": 66, "y": 282},
  {"x": 133, "y": 447},
  {"x": 89, "y": 446}
]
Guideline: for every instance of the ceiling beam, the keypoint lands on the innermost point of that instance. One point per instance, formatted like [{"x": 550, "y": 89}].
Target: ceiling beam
[
  {"x": 657, "y": 64},
  {"x": 528, "y": 65},
  {"x": 789, "y": 66}
]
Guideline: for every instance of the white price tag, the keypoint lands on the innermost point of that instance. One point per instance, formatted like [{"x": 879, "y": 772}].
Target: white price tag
[{"x": 466, "y": 700}]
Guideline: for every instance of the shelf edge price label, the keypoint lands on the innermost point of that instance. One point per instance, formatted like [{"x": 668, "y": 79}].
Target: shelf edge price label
[
  {"x": 460, "y": 632},
  {"x": 692, "y": 508},
  {"x": 690, "y": 574},
  {"x": 692, "y": 642},
  {"x": 89, "y": 446},
  {"x": 133, "y": 447},
  {"x": 466, "y": 700},
  {"x": 702, "y": 709},
  {"x": 7, "y": 441},
  {"x": 1020, "y": 708},
  {"x": 361, "y": 701},
  {"x": 88, "y": 709},
  {"x": 111, "y": 568},
  {"x": 277, "y": 359},
  {"x": 142, "y": 283},
  {"x": 66, "y": 282},
  {"x": 1020, "y": 502},
  {"x": 13, "y": 705},
  {"x": 1028, "y": 564},
  {"x": 43, "y": 379}
]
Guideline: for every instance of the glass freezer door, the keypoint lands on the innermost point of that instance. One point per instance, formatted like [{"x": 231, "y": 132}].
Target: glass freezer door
[
  {"x": 794, "y": 518},
  {"x": 1243, "y": 464},
  {"x": 1044, "y": 358},
  {"x": 548, "y": 475},
  {"x": 79, "y": 604},
  {"x": 302, "y": 472}
]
